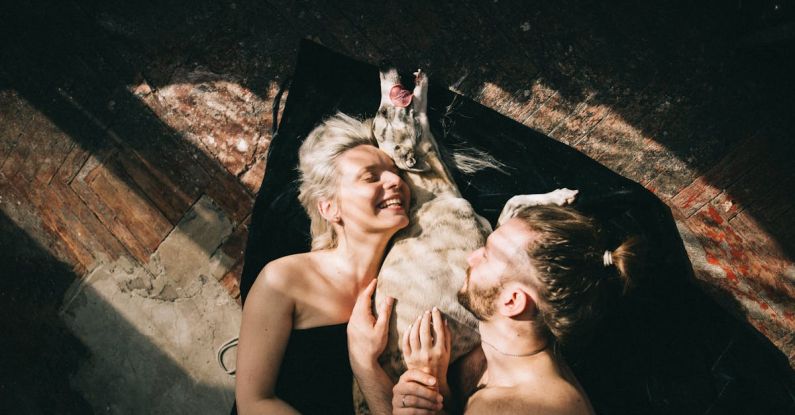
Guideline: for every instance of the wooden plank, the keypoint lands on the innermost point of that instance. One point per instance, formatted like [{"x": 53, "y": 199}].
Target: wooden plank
[
  {"x": 760, "y": 258},
  {"x": 302, "y": 21},
  {"x": 326, "y": 23},
  {"x": 144, "y": 221},
  {"x": 381, "y": 34},
  {"x": 231, "y": 280},
  {"x": 759, "y": 185},
  {"x": 513, "y": 87},
  {"x": 486, "y": 61},
  {"x": 138, "y": 131},
  {"x": 693, "y": 197},
  {"x": 520, "y": 26},
  {"x": 235, "y": 245},
  {"x": 423, "y": 29},
  {"x": 13, "y": 122},
  {"x": 227, "y": 191},
  {"x": 77, "y": 224},
  {"x": 56, "y": 153},
  {"x": 172, "y": 160},
  {"x": 15, "y": 160},
  {"x": 99, "y": 237},
  {"x": 178, "y": 170},
  {"x": 172, "y": 201},
  {"x": 766, "y": 192},
  {"x": 580, "y": 122},
  {"x": 106, "y": 215},
  {"x": 17, "y": 199},
  {"x": 33, "y": 151},
  {"x": 730, "y": 169},
  {"x": 554, "y": 112},
  {"x": 59, "y": 221},
  {"x": 755, "y": 236},
  {"x": 537, "y": 95},
  {"x": 696, "y": 137},
  {"x": 74, "y": 161}
]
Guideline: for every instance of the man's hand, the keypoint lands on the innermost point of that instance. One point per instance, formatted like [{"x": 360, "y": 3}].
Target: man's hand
[
  {"x": 367, "y": 335},
  {"x": 416, "y": 393},
  {"x": 427, "y": 344}
]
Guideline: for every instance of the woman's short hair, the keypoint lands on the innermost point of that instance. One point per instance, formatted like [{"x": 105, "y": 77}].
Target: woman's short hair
[{"x": 317, "y": 165}]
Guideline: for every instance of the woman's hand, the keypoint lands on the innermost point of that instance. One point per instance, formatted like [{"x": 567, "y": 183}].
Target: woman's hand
[
  {"x": 367, "y": 335},
  {"x": 427, "y": 343},
  {"x": 416, "y": 393}
]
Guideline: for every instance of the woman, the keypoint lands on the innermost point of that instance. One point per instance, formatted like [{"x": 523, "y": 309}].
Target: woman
[{"x": 293, "y": 354}]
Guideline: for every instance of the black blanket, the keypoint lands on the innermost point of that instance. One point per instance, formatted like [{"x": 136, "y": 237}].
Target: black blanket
[{"x": 664, "y": 348}]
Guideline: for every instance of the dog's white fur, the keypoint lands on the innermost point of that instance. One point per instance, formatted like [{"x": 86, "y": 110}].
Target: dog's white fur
[{"x": 426, "y": 265}]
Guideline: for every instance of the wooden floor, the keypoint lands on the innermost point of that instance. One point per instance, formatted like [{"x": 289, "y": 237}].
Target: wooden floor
[{"x": 116, "y": 119}]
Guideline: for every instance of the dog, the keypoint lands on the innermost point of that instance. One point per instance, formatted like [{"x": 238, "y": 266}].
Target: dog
[{"x": 426, "y": 265}]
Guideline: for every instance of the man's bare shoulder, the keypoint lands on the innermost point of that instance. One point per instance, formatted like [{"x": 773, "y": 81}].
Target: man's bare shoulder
[{"x": 554, "y": 399}]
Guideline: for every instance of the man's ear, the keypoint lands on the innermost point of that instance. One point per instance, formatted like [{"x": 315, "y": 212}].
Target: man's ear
[
  {"x": 329, "y": 210},
  {"x": 515, "y": 301}
]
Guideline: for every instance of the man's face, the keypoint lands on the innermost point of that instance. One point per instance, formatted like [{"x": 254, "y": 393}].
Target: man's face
[{"x": 504, "y": 250}]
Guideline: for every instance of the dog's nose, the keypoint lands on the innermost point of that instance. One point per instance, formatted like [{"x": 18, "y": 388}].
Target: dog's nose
[{"x": 410, "y": 161}]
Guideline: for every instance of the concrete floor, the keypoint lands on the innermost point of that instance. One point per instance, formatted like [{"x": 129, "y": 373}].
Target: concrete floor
[{"x": 131, "y": 132}]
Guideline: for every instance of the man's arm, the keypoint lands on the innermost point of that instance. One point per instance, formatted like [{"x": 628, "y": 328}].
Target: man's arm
[
  {"x": 375, "y": 386},
  {"x": 416, "y": 393}
]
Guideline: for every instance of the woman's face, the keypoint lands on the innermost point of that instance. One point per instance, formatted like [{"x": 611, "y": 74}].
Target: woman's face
[{"x": 371, "y": 195}]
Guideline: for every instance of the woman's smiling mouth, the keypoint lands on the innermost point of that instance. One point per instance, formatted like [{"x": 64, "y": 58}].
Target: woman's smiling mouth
[{"x": 390, "y": 203}]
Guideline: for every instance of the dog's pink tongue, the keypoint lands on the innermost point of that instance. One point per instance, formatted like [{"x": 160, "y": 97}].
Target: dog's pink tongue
[{"x": 401, "y": 97}]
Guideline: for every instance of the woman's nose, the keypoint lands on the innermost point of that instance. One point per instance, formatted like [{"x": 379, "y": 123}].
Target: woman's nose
[{"x": 391, "y": 179}]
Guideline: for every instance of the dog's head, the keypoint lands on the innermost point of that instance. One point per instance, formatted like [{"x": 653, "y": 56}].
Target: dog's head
[{"x": 396, "y": 126}]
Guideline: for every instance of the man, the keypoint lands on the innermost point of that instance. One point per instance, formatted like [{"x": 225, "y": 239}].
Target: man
[{"x": 536, "y": 284}]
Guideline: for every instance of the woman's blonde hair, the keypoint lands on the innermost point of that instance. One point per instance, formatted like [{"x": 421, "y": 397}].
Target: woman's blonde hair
[{"x": 317, "y": 166}]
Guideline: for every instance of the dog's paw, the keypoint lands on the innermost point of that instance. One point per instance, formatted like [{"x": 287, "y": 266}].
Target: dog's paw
[
  {"x": 420, "y": 78},
  {"x": 420, "y": 92},
  {"x": 562, "y": 197},
  {"x": 512, "y": 207}
]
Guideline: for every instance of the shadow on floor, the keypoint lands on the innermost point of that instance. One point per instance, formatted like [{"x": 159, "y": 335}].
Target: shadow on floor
[{"x": 46, "y": 369}]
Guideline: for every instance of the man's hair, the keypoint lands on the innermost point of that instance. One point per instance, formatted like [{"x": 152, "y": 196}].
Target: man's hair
[
  {"x": 317, "y": 165},
  {"x": 569, "y": 272}
]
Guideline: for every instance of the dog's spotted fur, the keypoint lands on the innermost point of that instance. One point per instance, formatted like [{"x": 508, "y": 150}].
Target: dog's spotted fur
[{"x": 426, "y": 265}]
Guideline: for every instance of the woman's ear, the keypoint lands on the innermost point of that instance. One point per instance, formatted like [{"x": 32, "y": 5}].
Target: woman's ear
[{"x": 329, "y": 210}]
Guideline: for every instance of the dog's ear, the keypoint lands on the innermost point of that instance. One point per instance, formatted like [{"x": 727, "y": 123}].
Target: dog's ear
[{"x": 368, "y": 127}]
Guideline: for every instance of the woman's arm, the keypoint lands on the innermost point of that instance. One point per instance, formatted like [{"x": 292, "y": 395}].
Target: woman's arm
[
  {"x": 367, "y": 338},
  {"x": 426, "y": 345},
  {"x": 264, "y": 332}
]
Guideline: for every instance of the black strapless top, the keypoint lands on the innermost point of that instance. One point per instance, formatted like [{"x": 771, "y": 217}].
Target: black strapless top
[{"x": 315, "y": 376}]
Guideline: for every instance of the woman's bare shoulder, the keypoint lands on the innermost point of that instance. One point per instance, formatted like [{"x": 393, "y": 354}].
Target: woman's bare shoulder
[{"x": 287, "y": 274}]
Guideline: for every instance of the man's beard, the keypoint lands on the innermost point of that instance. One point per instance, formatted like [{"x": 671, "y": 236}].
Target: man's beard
[{"x": 479, "y": 301}]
